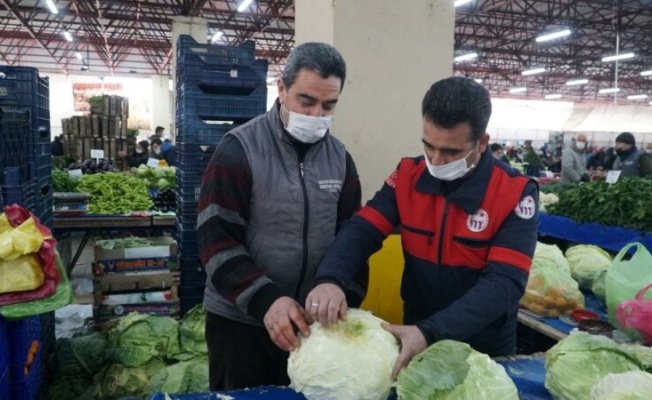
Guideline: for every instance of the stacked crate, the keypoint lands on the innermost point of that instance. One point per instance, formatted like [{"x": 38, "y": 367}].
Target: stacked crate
[
  {"x": 25, "y": 107},
  {"x": 105, "y": 129},
  {"x": 138, "y": 279},
  {"x": 218, "y": 88},
  {"x": 27, "y": 359}
]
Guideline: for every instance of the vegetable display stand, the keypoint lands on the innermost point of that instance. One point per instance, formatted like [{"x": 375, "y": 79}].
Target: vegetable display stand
[{"x": 607, "y": 237}]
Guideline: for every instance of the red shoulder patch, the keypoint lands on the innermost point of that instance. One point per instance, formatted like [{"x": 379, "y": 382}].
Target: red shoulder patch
[{"x": 391, "y": 180}]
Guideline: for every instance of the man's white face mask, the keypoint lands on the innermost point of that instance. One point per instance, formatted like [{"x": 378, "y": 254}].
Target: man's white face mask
[
  {"x": 305, "y": 128},
  {"x": 580, "y": 145},
  {"x": 451, "y": 171}
]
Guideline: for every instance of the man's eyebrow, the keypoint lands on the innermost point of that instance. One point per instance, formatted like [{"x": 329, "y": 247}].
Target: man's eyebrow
[{"x": 307, "y": 97}]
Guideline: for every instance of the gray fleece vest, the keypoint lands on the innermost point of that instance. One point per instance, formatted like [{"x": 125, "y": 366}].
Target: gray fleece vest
[
  {"x": 629, "y": 167},
  {"x": 293, "y": 214}
]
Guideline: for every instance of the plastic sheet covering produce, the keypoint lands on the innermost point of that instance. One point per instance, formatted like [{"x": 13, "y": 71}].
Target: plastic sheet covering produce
[{"x": 20, "y": 274}]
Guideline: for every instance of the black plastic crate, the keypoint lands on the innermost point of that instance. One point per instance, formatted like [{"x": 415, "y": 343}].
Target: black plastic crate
[
  {"x": 191, "y": 100},
  {"x": 190, "y": 249},
  {"x": 192, "y": 271},
  {"x": 244, "y": 54},
  {"x": 219, "y": 78}
]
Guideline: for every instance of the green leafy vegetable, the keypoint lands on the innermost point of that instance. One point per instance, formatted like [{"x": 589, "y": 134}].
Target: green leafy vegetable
[
  {"x": 127, "y": 243},
  {"x": 633, "y": 385},
  {"x": 351, "y": 360},
  {"x": 586, "y": 263},
  {"x": 184, "y": 377},
  {"x": 118, "y": 381},
  {"x": 549, "y": 256},
  {"x": 626, "y": 203},
  {"x": 62, "y": 182},
  {"x": 191, "y": 331},
  {"x": 578, "y": 362},
  {"x": 159, "y": 178},
  {"x": 450, "y": 370},
  {"x": 137, "y": 338},
  {"x": 80, "y": 356}
]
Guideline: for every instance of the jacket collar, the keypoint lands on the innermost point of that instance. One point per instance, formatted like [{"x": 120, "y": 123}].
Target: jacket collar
[{"x": 470, "y": 193}]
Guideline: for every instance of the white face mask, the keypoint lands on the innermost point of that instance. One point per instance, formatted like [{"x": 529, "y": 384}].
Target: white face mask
[
  {"x": 305, "y": 128},
  {"x": 451, "y": 171},
  {"x": 157, "y": 151},
  {"x": 580, "y": 145}
]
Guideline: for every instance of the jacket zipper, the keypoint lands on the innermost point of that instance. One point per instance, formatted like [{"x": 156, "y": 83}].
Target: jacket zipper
[
  {"x": 304, "y": 256},
  {"x": 442, "y": 231}
]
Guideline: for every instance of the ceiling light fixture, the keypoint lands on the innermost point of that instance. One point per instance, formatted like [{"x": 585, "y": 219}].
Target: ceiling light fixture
[
  {"x": 609, "y": 90},
  {"x": 637, "y": 97},
  {"x": 646, "y": 73},
  {"x": 576, "y": 82},
  {"x": 79, "y": 56},
  {"x": 217, "y": 36},
  {"x": 466, "y": 57},
  {"x": 553, "y": 96},
  {"x": 52, "y": 6},
  {"x": 243, "y": 6},
  {"x": 618, "y": 57},
  {"x": 533, "y": 71},
  {"x": 461, "y": 2},
  {"x": 553, "y": 35},
  {"x": 67, "y": 36},
  {"x": 518, "y": 89}
]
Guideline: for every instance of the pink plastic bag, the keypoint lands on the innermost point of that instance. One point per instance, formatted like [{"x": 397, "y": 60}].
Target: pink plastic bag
[{"x": 637, "y": 315}]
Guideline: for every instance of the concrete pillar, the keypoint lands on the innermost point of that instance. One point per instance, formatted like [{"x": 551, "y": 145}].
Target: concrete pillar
[
  {"x": 198, "y": 29},
  {"x": 394, "y": 51}
]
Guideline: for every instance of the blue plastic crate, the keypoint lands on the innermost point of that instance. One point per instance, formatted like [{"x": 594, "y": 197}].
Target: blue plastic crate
[
  {"x": 27, "y": 384},
  {"x": 194, "y": 156},
  {"x": 244, "y": 54},
  {"x": 21, "y": 334},
  {"x": 21, "y": 87},
  {"x": 220, "y": 78},
  {"x": 15, "y": 145},
  {"x": 4, "y": 381},
  {"x": 190, "y": 248},
  {"x": 191, "y": 100},
  {"x": 193, "y": 130},
  {"x": 192, "y": 272},
  {"x": 4, "y": 348}
]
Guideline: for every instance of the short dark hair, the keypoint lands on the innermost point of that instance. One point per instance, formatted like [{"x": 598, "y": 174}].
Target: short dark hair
[
  {"x": 495, "y": 147},
  {"x": 156, "y": 141},
  {"x": 456, "y": 100},
  {"x": 144, "y": 144},
  {"x": 319, "y": 57},
  {"x": 159, "y": 129}
]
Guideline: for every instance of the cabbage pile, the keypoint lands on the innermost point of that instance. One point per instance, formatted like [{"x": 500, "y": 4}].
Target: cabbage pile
[
  {"x": 634, "y": 385},
  {"x": 587, "y": 264},
  {"x": 575, "y": 365},
  {"x": 451, "y": 370},
  {"x": 350, "y": 360}
]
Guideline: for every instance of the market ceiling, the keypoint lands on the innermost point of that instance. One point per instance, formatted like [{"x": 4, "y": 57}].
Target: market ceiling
[{"x": 134, "y": 37}]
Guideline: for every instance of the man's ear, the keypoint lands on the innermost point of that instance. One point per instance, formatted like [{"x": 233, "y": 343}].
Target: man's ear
[{"x": 483, "y": 142}]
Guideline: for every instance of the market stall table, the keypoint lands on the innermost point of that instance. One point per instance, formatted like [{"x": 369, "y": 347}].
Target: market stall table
[
  {"x": 612, "y": 238},
  {"x": 559, "y": 328},
  {"x": 90, "y": 224}
]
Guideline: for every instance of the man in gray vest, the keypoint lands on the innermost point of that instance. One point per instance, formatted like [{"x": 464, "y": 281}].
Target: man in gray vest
[
  {"x": 272, "y": 199},
  {"x": 573, "y": 162},
  {"x": 631, "y": 161}
]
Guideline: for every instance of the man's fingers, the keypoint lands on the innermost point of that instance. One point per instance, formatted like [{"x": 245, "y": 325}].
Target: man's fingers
[
  {"x": 393, "y": 329},
  {"x": 278, "y": 339},
  {"x": 287, "y": 336},
  {"x": 343, "y": 310},
  {"x": 297, "y": 317},
  {"x": 332, "y": 311},
  {"x": 401, "y": 361}
]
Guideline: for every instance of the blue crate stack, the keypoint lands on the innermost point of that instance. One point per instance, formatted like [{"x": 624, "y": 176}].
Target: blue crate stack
[
  {"x": 26, "y": 359},
  {"x": 4, "y": 361},
  {"x": 25, "y": 140},
  {"x": 218, "y": 88}
]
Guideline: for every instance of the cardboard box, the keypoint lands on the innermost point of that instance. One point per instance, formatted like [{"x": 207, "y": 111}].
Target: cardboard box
[
  {"x": 138, "y": 282},
  {"x": 135, "y": 265},
  {"x": 107, "y": 312},
  {"x": 167, "y": 248},
  {"x": 95, "y": 126}
]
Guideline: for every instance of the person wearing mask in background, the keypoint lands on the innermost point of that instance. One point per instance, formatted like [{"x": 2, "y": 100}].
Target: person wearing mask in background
[
  {"x": 648, "y": 149},
  {"x": 631, "y": 161},
  {"x": 156, "y": 150},
  {"x": 273, "y": 196},
  {"x": 139, "y": 156},
  {"x": 573, "y": 162},
  {"x": 468, "y": 226},
  {"x": 57, "y": 146},
  {"x": 597, "y": 159},
  {"x": 498, "y": 152}
]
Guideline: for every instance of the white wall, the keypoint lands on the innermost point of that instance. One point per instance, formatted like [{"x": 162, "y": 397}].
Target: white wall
[{"x": 138, "y": 90}]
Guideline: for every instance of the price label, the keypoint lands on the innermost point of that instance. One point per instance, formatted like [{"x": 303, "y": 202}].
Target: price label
[
  {"x": 234, "y": 73},
  {"x": 612, "y": 176},
  {"x": 152, "y": 162},
  {"x": 75, "y": 173},
  {"x": 97, "y": 154}
]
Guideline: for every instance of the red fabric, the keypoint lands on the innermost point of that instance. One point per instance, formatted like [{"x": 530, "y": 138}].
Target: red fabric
[
  {"x": 510, "y": 257},
  {"x": 16, "y": 215},
  {"x": 377, "y": 220}
]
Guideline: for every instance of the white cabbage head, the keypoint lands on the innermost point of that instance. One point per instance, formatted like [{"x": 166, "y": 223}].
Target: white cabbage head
[{"x": 351, "y": 360}]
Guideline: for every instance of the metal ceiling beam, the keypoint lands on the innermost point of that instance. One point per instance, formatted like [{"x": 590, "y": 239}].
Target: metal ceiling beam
[{"x": 31, "y": 32}]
